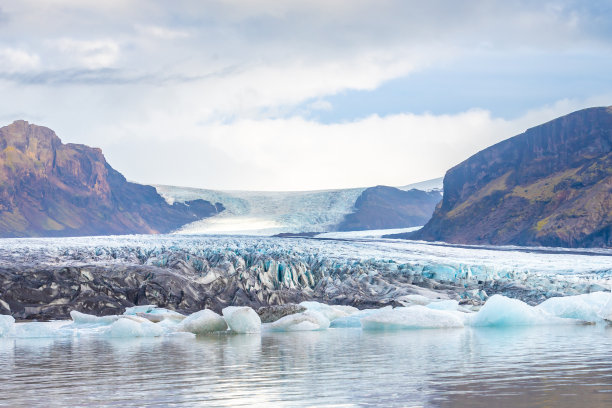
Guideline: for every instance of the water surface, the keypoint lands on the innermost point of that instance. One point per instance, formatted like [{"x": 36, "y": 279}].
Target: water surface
[{"x": 512, "y": 367}]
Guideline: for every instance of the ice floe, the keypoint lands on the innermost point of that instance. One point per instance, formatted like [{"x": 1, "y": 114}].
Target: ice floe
[
  {"x": 498, "y": 311},
  {"x": 305, "y": 321},
  {"x": 202, "y": 322},
  {"x": 412, "y": 317},
  {"x": 589, "y": 307},
  {"x": 242, "y": 319},
  {"x": 354, "y": 320},
  {"x": 331, "y": 312},
  {"x": 134, "y": 328},
  {"x": 502, "y": 311},
  {"x": 6, "y": 324}
]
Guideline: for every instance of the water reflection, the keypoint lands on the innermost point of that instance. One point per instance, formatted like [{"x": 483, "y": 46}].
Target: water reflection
[{"x": 535, "y": 367}]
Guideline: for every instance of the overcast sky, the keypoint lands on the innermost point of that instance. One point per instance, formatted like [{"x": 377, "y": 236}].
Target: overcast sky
[{"x": 296, "y": 95}]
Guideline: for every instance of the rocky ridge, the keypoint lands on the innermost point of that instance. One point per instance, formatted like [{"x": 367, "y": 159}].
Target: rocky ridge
[
  {"x": 48, "y": 188},
  {"x": 550, "y": 186}
]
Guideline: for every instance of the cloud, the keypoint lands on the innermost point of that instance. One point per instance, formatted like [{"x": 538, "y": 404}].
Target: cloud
[
  {"x": 15, "y": 60},
  {"x": 94, "y": 54},
  {"x": 223, "y": 93},
  {"x": 162, "y": 33},
  {"x": 296, "y": 154}
]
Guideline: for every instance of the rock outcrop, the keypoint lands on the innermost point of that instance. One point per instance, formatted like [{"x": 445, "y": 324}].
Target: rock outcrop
[
  {"x": 550, "y": 186},
  {"x": 383, "y": 207},
  {"x": 48, "y": 188}
]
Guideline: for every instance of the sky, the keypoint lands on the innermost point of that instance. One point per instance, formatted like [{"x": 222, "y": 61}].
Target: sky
[{"x": 298, "y": 95}]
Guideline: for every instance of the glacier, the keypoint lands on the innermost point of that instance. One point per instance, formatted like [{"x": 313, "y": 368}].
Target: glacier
[
  {"x": 266, "y": 212},
  {"x": 185, "y": 274}
]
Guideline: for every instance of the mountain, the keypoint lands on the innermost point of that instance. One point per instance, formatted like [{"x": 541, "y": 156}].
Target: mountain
[
  {"x": 427, "y": 185},
  {"x": 384, "y": 207},
  {"x": 550, "y": 186},
  {"x": 269, "y": 212},
  {"x": 48, "y": 188}
]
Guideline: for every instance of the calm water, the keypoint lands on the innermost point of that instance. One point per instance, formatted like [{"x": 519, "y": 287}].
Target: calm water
[{"x": 542, "y": 367}]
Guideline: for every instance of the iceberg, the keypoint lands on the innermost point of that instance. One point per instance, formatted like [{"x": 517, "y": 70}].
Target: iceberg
[
  {"x": 412, "y": 317},
  {"x": 6, "y": 325},
  {"x": 502, "y": 311},
  {"x": 242, "y": 319},
  {"x": 305, "y": 321},
  {"x": 202, "y": 322},
  {"x": 444, "y": 305},
  {"x": 82, "y": 318},
  {"x": 153, "y": 313},
  {"x": 589, "y": 307},
  {"x": 331, "y": 312},
  {"x": 354, "y": 320},
  {"x": 40, "y": 330},
  {"x": 128, "y": 327}
]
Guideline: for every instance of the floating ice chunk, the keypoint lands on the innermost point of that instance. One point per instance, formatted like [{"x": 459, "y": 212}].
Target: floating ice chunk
[
  {"x": 38, "y": 330},
  {"x": 346, "y": 309},
  {"x": 139, "y": 309},
  {"x": 158, "y": 315},
  {"x": 331, "y": 312},
  {"x": 82, "y": 318},
  {"x": 186, "y": 335},
  {"x": 305, "y": 321},
  {"x": 204, "y": 321},
  {"x": 444, "y": 305},
  {"x": 153, "y": 313},
  {"x": 242, "y": 319},
  {"x": 6, "y": 324},
  {"x": 127, "y": 327},
  {"x": 354, "y": 320},
  {"x": 414, "y": 299},
  {"x": 502, "y": 311},
  {"x": 589, "y": 307},
  {"x": 412, "y": 317},
  {"x": 606, "y": 312}
]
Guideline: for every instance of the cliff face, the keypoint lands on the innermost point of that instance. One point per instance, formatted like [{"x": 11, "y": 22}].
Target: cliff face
[
  {"x": 384, "y": 207},
  {"x": 48, "y": 188},
  {"x": 551, "y": 186}
]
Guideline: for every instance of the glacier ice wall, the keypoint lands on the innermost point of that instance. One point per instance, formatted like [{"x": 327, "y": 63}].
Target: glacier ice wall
[{"x": 47, "y": 278}]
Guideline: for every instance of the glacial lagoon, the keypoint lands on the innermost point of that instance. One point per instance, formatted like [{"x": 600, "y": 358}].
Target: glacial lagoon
[
  {"x": 544, "y": 366},
  {"x": 431, "y": 352}
]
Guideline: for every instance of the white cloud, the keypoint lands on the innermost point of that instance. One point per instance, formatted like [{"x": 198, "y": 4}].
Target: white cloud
[
  {"x": 195, "y": 84},
  {"x": 162, "y": 33},
  {"x": 16, "y": 60},
  {"x": 298, "y": 154},
  {"x": 88, "y": 54}
]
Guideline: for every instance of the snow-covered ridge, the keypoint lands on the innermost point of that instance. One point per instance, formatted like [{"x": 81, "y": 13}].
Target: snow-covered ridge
[{"x": 427, "y": 185}]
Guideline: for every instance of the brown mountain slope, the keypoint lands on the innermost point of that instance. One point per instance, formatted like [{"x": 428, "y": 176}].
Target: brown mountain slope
[
  {"x": 48, "y": 188},
  {"x": 383, "y": 207},
  {"x": 551, "y": 185}
]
